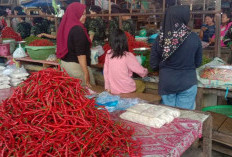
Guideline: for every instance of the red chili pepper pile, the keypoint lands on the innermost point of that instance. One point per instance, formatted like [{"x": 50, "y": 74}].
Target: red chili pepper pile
[
  {"x": 41, "y": 42},
  {"x": 8, "y": 32},
  {"x": 48, "y": 115},
  {"x": 132, "y": 43}
]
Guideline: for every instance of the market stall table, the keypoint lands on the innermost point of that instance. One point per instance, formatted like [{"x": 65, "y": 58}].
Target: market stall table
[
  {"x": 216, "y": 91},
  {"x": 222, "y": 133},
  {"x": 170, "y": 140},
  {"x": 25, "y": 60},
  {"x": 151, "y": 98},
  {"x": 175, "y": 138}
]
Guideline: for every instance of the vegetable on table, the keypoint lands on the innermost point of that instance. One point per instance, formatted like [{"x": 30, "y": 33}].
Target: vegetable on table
[
  {"x": 41, "y": 42},
  {"x": 49, "y": 115},
  {"x": 8, "y": 32},
  {"x": 30, "y": 39}
]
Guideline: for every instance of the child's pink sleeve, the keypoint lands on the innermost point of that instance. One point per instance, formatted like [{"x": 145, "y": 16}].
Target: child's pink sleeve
[{"x": 135, "y": 66}]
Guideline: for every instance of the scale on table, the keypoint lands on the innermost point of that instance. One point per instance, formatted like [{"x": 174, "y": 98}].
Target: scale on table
[{"x": 142, "y": 52}]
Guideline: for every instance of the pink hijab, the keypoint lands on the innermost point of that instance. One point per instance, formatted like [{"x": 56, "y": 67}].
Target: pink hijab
[{"x": 71, "y": 18}]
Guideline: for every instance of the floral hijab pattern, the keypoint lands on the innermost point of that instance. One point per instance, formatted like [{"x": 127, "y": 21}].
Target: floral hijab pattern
[{"x": 174, "y": 31}]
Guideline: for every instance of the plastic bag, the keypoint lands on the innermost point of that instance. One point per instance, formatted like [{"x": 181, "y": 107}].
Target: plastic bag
[
  {"x": 13, "y": 80},
  {"x": 19, "y": 52},
  {"x": 100, "y": 50},
  {"x": 51, "y": 58},
  {"x": 4, "y": 78},
  {"x": 19, "y": 75},
  {"x": 113, "y": 102},
  {"x": 2, "y": 67},
  {"x": 4, "y": 86},
  {"x": 9, "y": 69},
  {"x": 13, "y": 69},
  {"x": 15, "y": 84}
]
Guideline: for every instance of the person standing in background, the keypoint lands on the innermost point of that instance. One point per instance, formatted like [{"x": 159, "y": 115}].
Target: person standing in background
[
  {"x": 207, "y": 29},
  {"x": 127, "y": 23},
  {"x": 225, "y": 25},
  {"x": 23, "y": 28},
  {"x": 73, "y": 44},
  {"x": 114, "y": 23},
  {"x": 49, "y": 22},
  {"x": 96, "y": 27},
  {"x": 14, "y": 21},
  {"x": 227, "y": 40},
  {"x": 176, "y": 54}
]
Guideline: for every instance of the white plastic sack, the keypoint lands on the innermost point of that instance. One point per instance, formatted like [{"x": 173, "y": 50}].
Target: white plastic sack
[
  {"x": 19, "y": 75},
  {"x": 15, "y": 84},
  {"x": 2, "y": 67},
  {"x": 148, "y": 121},
  {"x": 4, "y": 78},
  {"x": 150, "y": 115},
  {"x": 4, "y": 86},
  {"x": 14, "y": 80},
  {"x": 9, "y": 70},
  {"x": 12, "y": 70},
  {"x": 19, "y": 52},
  {"x": 4, "y": 82}
]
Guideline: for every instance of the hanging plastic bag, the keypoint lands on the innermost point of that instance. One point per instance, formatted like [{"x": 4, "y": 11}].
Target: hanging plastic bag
[
  {"x": 94, "y": 56},
  {"x": 19, "y": 52},
  {"x": 100, "y": 50}
]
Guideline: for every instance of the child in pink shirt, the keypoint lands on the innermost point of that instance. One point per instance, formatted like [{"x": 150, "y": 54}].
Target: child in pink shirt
[{"x": 120, "y": 65}]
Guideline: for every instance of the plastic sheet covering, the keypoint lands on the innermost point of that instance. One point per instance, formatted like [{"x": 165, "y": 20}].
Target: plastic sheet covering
[
  {"x": 212, "y": 78},
  {"x": 114, "y": 102}
]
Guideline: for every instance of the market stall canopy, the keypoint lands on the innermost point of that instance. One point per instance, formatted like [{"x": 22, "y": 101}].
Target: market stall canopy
[{"x": 38, "y": 3}]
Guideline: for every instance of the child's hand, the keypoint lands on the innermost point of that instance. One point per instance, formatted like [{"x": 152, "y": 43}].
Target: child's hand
[{"x": 108, "y": 90}]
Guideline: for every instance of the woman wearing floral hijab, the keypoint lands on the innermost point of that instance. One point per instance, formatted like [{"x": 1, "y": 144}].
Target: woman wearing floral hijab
[
  {"x": 177, "y": 53},
  {"x": 73, "y": 44}
]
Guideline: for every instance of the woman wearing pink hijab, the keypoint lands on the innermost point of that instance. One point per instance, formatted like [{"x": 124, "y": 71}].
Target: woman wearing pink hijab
[{"x": 73, "y": 44}]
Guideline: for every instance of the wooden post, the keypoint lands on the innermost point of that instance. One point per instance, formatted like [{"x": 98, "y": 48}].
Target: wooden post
[
  {"x": 207, "y": 137},
  {"x": 218, "y": 32},
  {"x": 203, "y": 10},
  {"x": 132, "y": 2},
  {"x": 56, "y": 24},
  {"x": 109, "y": 9},
  {"x": 164, "y": 2},
  {"x": 120, "y": 22}
]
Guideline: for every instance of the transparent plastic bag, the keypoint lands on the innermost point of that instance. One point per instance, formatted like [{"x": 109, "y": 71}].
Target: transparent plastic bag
[
  {"x": 114, "y": 102},
  {"x": 19, "y": 52},
  {"x": 51, "y": 58},
  {"x": 9, "y": 70}
]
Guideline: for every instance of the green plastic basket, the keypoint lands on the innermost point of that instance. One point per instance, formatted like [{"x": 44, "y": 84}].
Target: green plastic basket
[
  {"x": 222, "y": 109},
  {"x": 40, "y": 52}
]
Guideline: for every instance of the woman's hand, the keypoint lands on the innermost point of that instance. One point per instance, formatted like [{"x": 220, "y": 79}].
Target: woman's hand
[
  {"x": 40, "y": 35},
  {"x": 204, "y": 28},
  {"x": 83, "y": 63},
  {"x": 87, "y": 81}
]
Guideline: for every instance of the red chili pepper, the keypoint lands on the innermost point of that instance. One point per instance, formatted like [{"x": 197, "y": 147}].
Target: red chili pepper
[
  {"x": 54, "y": 118},
  {"x": 41, "y": 42}
]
